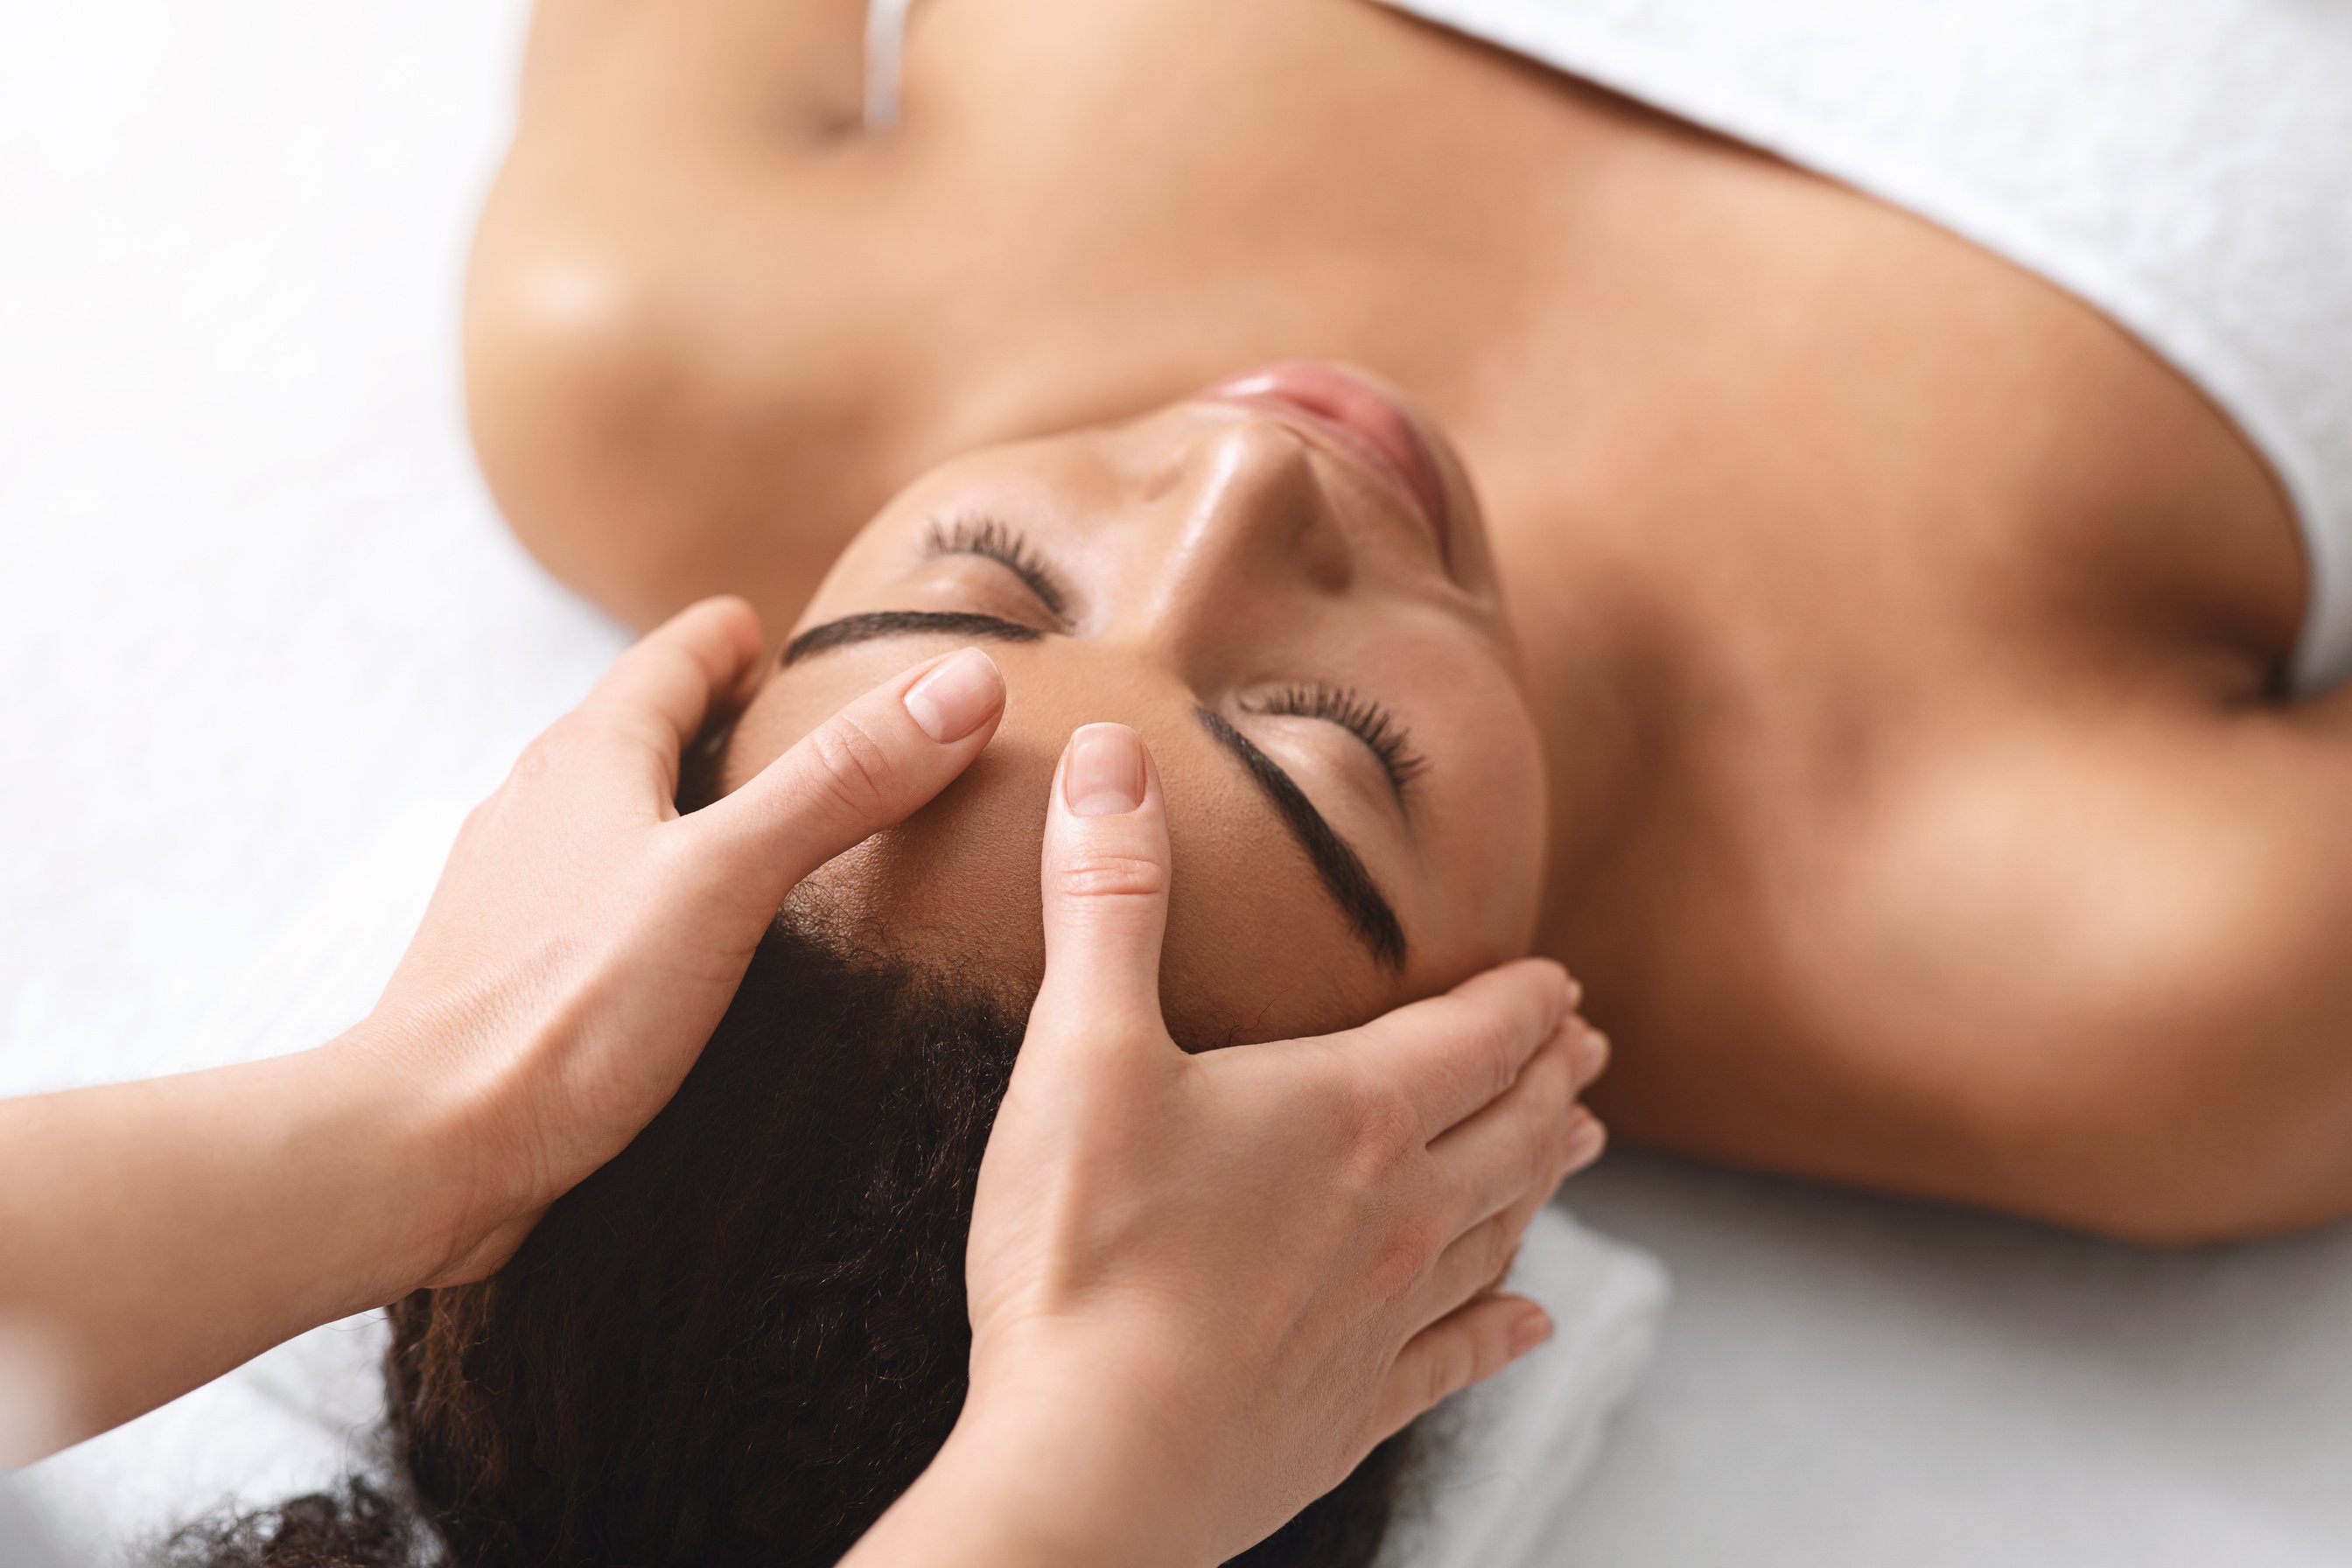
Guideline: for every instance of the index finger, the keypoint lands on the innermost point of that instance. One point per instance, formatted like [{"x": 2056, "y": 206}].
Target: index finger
[
  {"x": 660, "y": 692},
  {"x": 871, "y": 765},
  {"x": 1453, "y": 1055}
]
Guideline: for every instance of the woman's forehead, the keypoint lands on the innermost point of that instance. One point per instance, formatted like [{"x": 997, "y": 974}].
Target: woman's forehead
[{"x": 1255, "y": 947}]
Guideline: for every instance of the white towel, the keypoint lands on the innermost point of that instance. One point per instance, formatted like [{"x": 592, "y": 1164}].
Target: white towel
[
  {"x": 1512, "y": 1451},
  {"x": 2184, "y": 166}
]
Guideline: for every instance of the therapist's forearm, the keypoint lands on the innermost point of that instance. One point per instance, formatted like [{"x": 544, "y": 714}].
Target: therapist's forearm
[{"x": 152, "y": 1236}]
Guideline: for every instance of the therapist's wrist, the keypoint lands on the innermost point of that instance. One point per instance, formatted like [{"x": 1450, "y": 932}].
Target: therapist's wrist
[
  {"x": 443, "y": 1134},
  {"x": 1099, "y": 1432},
  {"x": 1043, "y": 1472}
]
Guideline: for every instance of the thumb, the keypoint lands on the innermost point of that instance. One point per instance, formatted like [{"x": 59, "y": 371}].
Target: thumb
[{"x": 1105, "y": 889}]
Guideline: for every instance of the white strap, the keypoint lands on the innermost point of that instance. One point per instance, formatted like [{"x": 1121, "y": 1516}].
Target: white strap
[{"x": 886, "y": 53}]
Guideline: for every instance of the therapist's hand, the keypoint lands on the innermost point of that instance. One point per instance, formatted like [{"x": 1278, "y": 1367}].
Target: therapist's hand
[
  {"x": 585, "y": 939},
  {"x": 1203, "y": 1287},
  {"x": 582, "y": 945}
]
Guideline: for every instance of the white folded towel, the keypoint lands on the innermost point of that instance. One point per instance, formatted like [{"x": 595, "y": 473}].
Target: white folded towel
[{"x": 1511, "y": 1452}]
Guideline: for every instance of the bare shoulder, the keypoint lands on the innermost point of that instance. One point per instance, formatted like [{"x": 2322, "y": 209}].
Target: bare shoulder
[
  {"x": 630, "y": 383},
  {"x": 2090, "y": 962},
  {"x": 2146, "y": 916},
  {"x": 711, "y": 325},
  {"x": 2144, "y": 861},
  {"x": 808, "y": 50}
]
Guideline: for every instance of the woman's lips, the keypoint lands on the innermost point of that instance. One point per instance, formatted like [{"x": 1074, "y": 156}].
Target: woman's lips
[{"x": 1361, "y": 417}]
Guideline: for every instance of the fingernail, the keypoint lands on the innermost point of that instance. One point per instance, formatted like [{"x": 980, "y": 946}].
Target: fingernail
[
  {"x": 1105, "y": 773},
  {"x": 1591, "y": 1053},
  {"x": 1586, "y": 1138},
  {"x": 957, "y": 698},
  {"x": 1532, "y": 1330}
]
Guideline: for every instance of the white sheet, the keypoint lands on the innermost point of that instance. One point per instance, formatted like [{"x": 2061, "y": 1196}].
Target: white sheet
[{"x": 252, "y": 602}]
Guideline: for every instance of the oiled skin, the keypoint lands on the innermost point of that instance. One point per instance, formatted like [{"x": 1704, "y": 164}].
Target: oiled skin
[{"x": 1905, "y": 633}]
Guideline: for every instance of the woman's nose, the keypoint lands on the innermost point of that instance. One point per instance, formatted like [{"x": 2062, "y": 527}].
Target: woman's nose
[{"x": 1248, "y": 520}]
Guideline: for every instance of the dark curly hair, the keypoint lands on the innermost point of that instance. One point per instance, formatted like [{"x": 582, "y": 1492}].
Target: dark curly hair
[{"x": 738, "y": 1341}]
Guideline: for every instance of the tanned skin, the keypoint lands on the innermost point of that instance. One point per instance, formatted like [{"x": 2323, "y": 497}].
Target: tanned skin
[{"x": 1906, "y": 638}]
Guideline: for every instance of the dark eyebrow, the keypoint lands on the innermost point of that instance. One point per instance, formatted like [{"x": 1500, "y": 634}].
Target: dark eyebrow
[
  {"x": 873, "y": 625},
  {"x": 1342, "y": 870}
]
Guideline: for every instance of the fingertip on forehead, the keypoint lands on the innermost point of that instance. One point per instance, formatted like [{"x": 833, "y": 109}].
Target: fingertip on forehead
[{"x": 1252, "y": 951}]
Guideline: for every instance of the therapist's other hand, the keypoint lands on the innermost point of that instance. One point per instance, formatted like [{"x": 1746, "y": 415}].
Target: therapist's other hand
[
  {"x": 585, "y": 939},
  {"x": 1211, "y": 1284}
]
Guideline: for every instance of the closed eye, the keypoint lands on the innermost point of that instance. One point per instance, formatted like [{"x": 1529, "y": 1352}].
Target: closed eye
[
  {"x": 1370, "y": 722},
  {"x": 1387, "y": 739},
  {"x": 993, "y": 541}
]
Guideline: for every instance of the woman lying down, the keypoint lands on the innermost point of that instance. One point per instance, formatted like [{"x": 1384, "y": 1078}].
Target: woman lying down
[
  {"x": 1864, "y": 661},
  {"x": 1909, "y": 701}
]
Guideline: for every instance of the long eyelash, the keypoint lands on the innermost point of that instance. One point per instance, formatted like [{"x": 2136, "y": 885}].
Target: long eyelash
[
  {"x": 1372, "y": 723},
  {"x": 988, "y": 538}
]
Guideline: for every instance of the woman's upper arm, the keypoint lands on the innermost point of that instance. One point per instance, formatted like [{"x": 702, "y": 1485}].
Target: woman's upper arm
[
  {"x": 807, "y": 54},
  {"x": 671, "y": 247},
  {"x": 2095, "y": 969},
  {"x": 2262, "y": 1044},
  {"x": 2158, "y": 1003}
]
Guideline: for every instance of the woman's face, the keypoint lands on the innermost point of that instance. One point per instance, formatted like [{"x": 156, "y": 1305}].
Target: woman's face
[{"x": 1284, "y": 584}]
